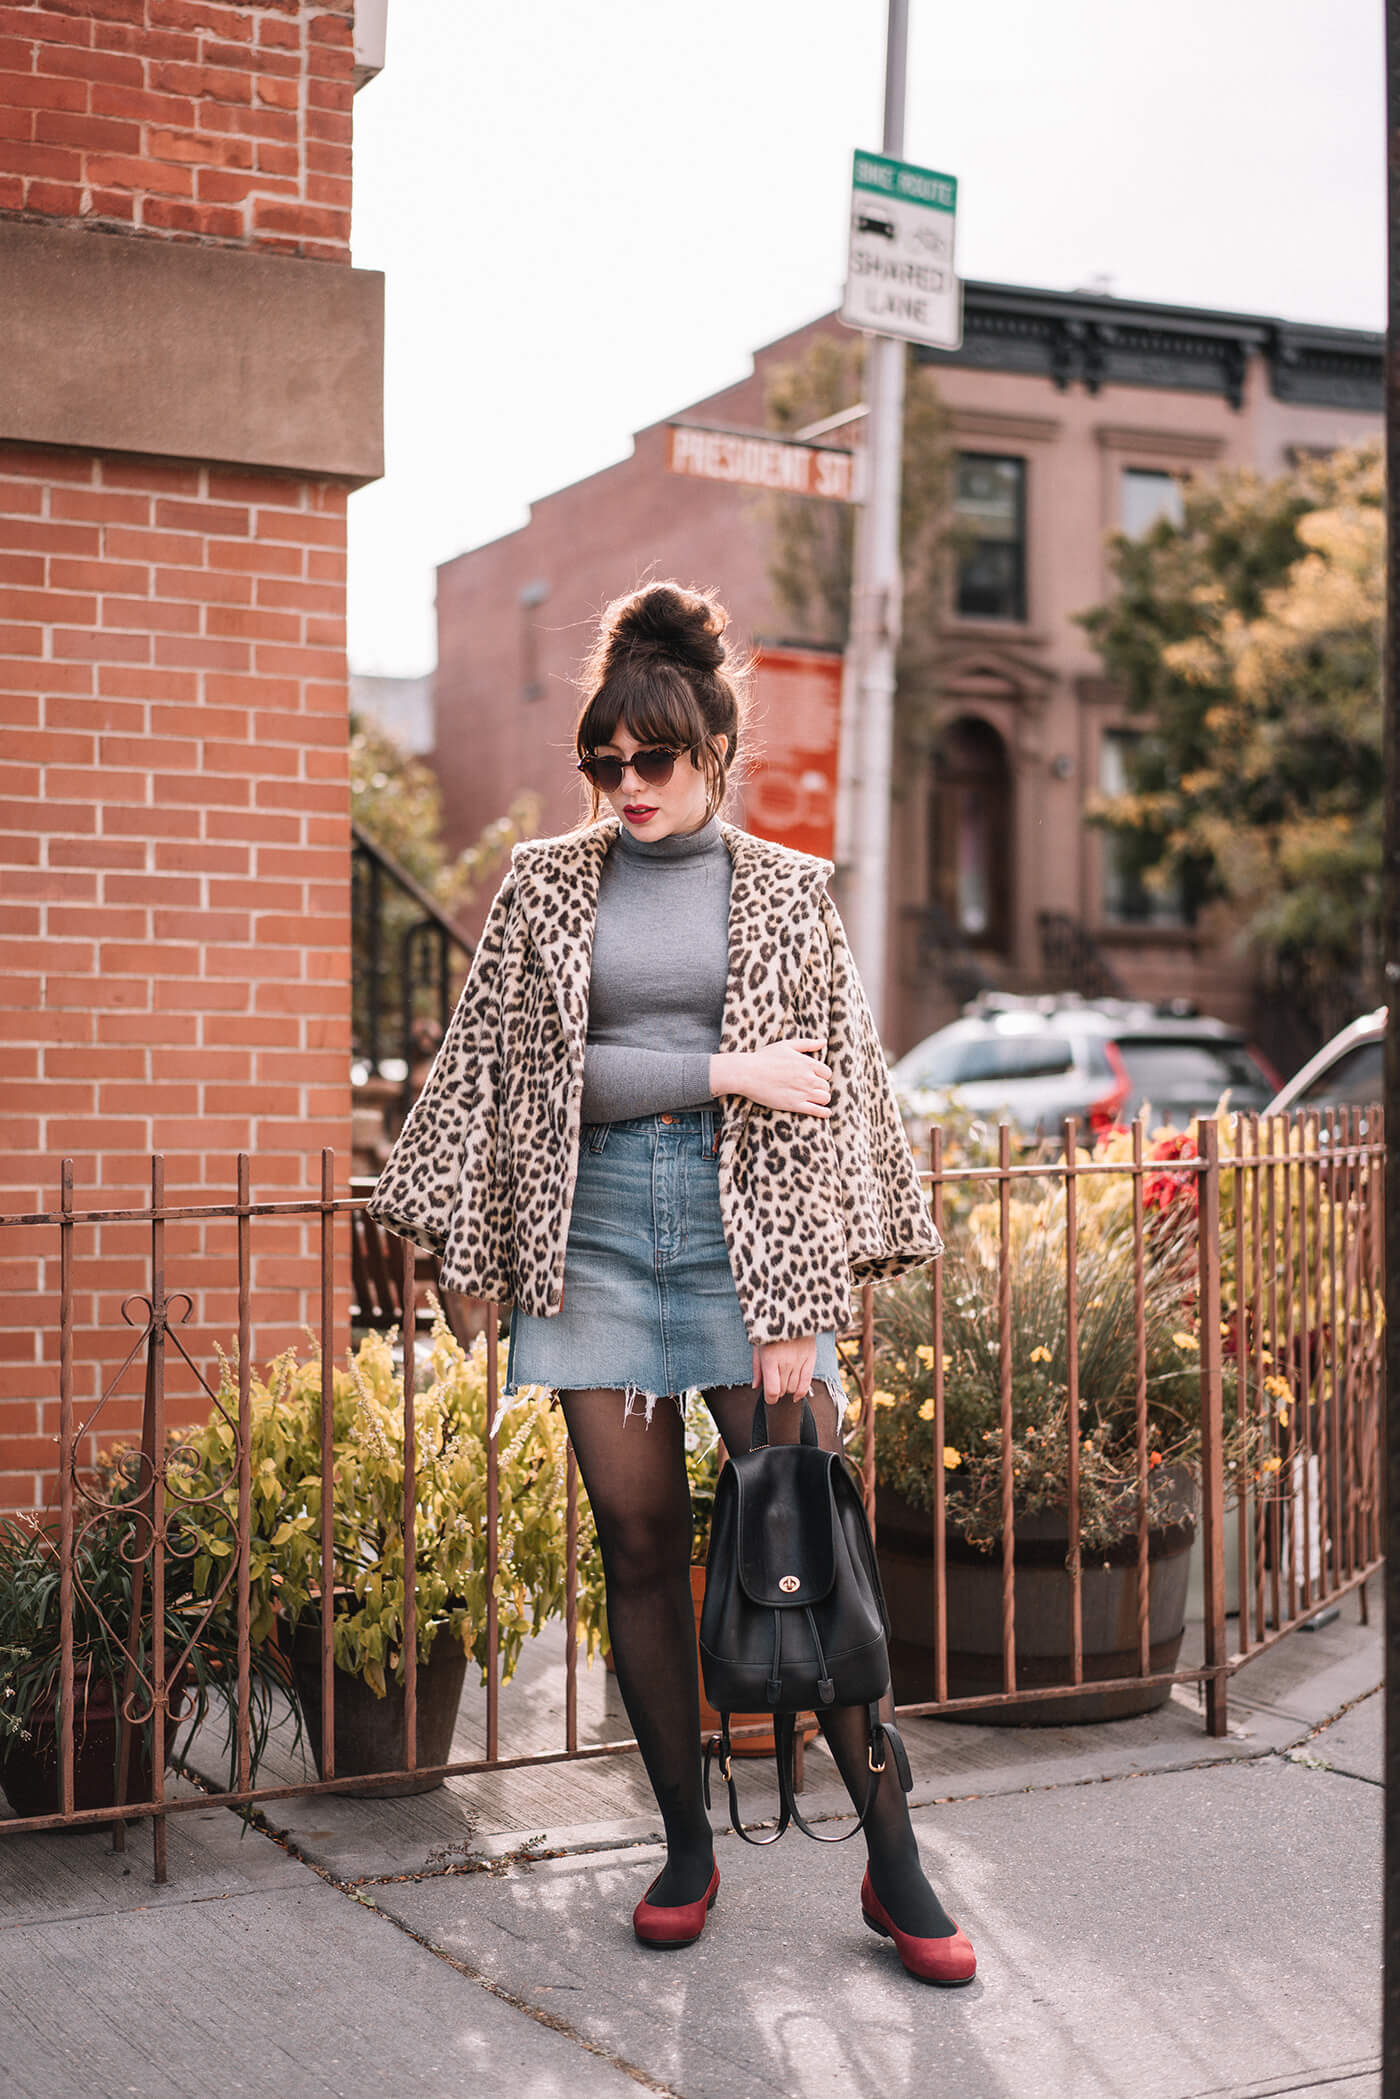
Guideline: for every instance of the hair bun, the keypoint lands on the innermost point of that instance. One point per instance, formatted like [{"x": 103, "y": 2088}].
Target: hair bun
[{"x": 662, "y": 620}]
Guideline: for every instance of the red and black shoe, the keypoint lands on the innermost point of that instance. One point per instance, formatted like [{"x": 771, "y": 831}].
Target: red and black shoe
[
  {"x": 943, "y": 1961},
  {"x": 675, "y": 1925}
]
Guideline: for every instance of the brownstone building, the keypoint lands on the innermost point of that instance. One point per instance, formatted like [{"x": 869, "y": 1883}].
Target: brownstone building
[
  {"x": 1072, "y": 415},
  {"x": 192, "y": 386}
]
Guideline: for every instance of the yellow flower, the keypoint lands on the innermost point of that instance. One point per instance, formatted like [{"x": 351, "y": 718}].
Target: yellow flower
[
  {"x": 1277, "y": 1387},
  {"x": 926, "y": 1411},
  {"x": 1185, "y": 1341},
  {"x": 1041, "y": 1354},
  {"x": 1283, "y": 1414},
  {"x": 924, "y": 1352},
  {"x": 951, "y": 1457},
  {"x": 1272, "y": 1464},
  {"x": 883, "y": 1399}
]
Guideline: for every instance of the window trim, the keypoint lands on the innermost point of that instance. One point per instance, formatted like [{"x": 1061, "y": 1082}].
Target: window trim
[{"x": 1021, "y": 617}]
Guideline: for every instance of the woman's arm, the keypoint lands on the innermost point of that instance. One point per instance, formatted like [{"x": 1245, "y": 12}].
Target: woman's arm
[
  {"x": 456, "y": 1112},
  {"x": 620, "y": 1081}
]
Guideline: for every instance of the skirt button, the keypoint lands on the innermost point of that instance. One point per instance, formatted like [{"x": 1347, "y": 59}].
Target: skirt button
[{"x": 668, "y": 1118}]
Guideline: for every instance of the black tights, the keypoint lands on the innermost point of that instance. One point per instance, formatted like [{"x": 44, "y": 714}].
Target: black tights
[{"x": 634, "y": 1474}]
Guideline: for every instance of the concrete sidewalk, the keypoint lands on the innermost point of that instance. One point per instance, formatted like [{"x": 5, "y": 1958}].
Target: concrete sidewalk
[{"x": 1157, "y": 1916}]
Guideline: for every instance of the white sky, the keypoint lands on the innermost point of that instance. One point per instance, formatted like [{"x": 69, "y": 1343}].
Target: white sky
[{"x": 591, "y": 212}]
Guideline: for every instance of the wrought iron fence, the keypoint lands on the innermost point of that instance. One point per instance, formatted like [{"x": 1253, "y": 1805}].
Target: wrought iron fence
[{"x": 1264, "y": 1240}]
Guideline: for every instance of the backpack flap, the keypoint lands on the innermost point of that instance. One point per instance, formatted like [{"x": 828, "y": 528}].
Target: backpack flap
[{"x": 786, "y": 1526}]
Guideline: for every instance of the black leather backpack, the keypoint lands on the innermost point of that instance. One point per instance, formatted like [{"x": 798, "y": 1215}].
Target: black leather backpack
[{"x": 794, "y": 1615}]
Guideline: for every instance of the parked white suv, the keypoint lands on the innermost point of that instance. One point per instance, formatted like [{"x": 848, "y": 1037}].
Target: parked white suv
[
  {"x": 1347, "y": 1072},
  {"x": 1035, "y": 1060}
]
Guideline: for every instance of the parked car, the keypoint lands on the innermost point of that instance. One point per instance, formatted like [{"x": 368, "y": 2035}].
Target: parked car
[
  {"x": 1347, "y": 1072},
  {"x": 1033, "y": 1061}
]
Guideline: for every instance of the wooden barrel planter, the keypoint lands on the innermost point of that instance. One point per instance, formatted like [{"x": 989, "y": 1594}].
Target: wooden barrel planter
[
  {"x": 369, "y": 1730},
  {"x": 904, "y": 1547}
]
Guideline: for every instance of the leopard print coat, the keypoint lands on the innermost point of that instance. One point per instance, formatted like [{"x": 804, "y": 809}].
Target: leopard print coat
[{"x": 483, "y": 1172}]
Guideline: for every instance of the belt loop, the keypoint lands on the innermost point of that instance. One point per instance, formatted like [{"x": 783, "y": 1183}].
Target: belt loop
[{"x": 709, "y": 1128}]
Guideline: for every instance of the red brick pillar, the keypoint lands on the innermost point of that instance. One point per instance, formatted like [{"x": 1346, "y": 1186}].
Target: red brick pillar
[{"x": 192, "y": 387}]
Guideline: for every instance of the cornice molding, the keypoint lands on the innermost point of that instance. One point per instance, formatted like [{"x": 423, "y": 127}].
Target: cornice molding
[
  {"x": 1016, "y": 429},
  {"x": 960, "y": 665},
  {"x": 1087, "y": 339},
  {"x": 1167, "y": 444}
]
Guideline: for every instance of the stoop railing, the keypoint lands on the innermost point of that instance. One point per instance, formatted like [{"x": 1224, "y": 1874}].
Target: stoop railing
[{"x": 1285, "y": 1243}]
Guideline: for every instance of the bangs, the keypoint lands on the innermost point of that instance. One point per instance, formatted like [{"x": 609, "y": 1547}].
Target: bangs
[{"x": 654, "y": 702}]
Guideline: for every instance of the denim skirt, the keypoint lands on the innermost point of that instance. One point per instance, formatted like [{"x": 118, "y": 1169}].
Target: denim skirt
[{"x": 650, "y": 1308}]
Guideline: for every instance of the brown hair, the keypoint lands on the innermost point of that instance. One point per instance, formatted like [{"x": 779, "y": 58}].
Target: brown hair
[{"x": 659, "y": 666}]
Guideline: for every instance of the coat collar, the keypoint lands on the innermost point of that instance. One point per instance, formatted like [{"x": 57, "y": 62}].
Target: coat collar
[{"x": 557, "y": 882}]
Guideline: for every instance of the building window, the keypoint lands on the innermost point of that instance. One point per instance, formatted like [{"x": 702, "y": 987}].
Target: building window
[
  {"x": 531, "y": 597},
  {"x": 1127, "y": 899},
  {"x": 1148, "y": 493},
  {"x": 971, "y": 835},
  {"x": 990, "y": 519}
]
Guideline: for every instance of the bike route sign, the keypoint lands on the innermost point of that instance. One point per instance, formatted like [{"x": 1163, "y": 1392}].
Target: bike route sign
[{"x": 899, "y": 277}]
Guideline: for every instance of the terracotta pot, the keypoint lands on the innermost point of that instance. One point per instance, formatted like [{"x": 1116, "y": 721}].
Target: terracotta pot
[
  {"x": 29, "y": 1774},
  {"x": 369, "y": 1730},
  {"x": 904, "y": 1547}
]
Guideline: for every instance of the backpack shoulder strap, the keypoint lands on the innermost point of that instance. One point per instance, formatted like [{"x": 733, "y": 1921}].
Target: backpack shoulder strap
[
  {"x": 885, "y": 1741},
  {"x": 721, "y": 1743}
]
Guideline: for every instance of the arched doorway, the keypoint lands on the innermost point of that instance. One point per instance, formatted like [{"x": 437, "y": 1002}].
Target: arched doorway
[{"x": 970, "y": 833}]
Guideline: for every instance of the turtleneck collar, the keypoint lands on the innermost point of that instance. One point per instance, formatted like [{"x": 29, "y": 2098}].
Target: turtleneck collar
[{"x": 681, "y": 845}]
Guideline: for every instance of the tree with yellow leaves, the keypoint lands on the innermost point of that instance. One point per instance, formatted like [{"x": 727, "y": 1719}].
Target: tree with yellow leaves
[{"x": 1250, "y": 635}]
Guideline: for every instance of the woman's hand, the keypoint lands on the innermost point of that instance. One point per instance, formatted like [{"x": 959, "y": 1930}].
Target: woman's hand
[
  {"x": 784, "y": 1075},
  {"x": 457, "y": 1311},
  {"x": 784, "y": 1368}
]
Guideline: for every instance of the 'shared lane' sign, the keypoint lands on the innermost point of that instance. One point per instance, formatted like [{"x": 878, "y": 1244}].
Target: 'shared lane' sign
[{"x": 755, "y": 461}]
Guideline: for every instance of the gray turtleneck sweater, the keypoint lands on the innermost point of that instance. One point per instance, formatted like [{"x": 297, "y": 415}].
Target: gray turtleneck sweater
[{"x": 660, "y": 966}]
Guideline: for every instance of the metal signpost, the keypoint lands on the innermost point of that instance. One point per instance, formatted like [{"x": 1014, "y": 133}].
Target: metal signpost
[{"x": 900, "y": 288}]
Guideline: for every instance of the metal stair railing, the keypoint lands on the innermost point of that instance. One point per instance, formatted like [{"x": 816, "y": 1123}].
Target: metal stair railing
[{"x": 402, "y": 945}]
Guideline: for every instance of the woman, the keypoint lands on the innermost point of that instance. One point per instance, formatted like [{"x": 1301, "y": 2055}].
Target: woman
[{"x": 661, "y": 1125}]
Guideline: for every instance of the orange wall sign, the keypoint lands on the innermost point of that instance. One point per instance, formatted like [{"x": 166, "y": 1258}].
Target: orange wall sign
[{"x": 790, "y": 791}]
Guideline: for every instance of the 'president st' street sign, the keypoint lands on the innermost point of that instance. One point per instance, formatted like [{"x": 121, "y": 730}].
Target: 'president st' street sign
[
  {"x": 899, "y": 276},
  {"x": 757, "y": 460}
]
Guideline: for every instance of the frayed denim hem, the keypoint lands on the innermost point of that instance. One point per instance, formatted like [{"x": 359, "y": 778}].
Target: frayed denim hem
[{"x": 636, "y": 1399}]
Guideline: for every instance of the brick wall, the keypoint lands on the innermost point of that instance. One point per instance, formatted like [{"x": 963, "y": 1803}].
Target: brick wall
[
  {"x": 174, "y": 828},
  {"x": 189, "y": 118}
]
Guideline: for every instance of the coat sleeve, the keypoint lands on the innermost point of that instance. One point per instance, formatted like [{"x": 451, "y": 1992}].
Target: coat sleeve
[
  {"x": 450, "y": 1135},
  {"x": 888, "y": 1225}
]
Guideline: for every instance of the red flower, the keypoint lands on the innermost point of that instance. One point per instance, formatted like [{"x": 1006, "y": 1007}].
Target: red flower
[{"x": 1161, "y": 1190}]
